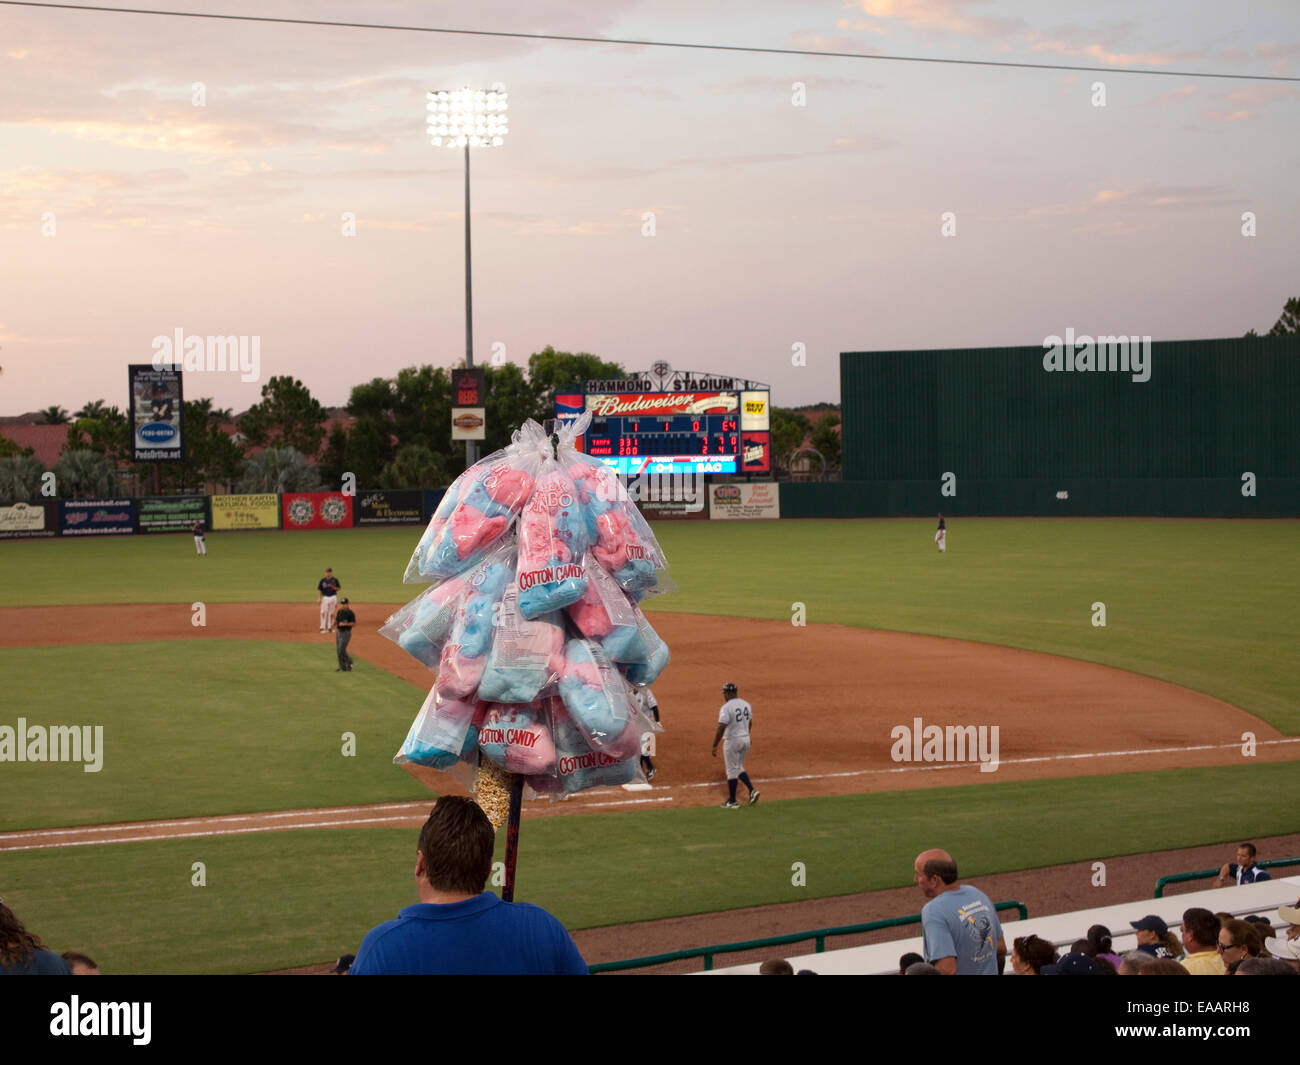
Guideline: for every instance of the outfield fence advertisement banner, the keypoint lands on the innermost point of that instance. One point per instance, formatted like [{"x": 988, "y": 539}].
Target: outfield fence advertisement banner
[
  {"x": 23, "y": 521},
  {"x": 432, "y": 497},
  {"x": 388, "y": 508},
  {"x": 171, "y": 513},
  {"x": 317, "y": 510},
  {"x": 731, "y": 501},
  {"x": 246, "y": 512},
  {"x": 96, "y": 517}
]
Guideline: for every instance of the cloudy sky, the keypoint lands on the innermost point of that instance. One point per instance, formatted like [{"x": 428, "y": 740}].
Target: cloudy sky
[{"x": 781, "y": 215}]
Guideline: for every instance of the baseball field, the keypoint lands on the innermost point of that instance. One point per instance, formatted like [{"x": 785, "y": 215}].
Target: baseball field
[{"x": 243, "y": 813}]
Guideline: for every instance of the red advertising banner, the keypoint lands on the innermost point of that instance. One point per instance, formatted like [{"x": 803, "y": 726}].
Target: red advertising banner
[
  {"x": 661, "y": 404},
  {"x": 755, "y": 452},
  {"x": 316, "y": 510}
]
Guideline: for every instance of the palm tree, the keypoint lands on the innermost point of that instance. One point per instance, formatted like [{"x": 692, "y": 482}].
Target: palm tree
[
  {"x": 55, "y": 416},
  {"x": 415, "y": 466},
  {"x": 93, "y": 409},
  {"x": 279, "y": 469},
  {"x": 20, "y": 479},
  {"x": 84, "y": 475}
]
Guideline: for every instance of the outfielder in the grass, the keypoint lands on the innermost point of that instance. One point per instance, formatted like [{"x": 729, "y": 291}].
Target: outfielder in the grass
[
  {"x": 735, "y": 721},
  {"x": 200, "y": 545},
  {"x": 327, "y": 592},
  {"x": 941, "y": 536}
]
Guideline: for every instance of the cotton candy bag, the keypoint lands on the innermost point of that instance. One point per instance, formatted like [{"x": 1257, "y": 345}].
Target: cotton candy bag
[
  {"x": 464, "y": 655},
  {"x": 518, "y": 738},
  {"x": 421, "y": 627},
  {"x": 526, "y": 654},
  {"x": 442, "y": 733},
  {"x": 478, "y": 508}
]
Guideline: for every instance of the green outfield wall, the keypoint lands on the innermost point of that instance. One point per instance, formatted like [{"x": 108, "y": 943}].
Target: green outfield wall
[{"x": 1197, "y": 428}]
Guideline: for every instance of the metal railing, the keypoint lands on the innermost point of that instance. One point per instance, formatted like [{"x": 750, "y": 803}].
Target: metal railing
[
  {"x": 819, "y": 937},
  {"x": 1205, "y": 874}
]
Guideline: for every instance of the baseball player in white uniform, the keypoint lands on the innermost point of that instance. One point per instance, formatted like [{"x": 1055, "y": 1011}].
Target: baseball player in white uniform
[
  {"x": 327, "y": 589},
  {"x": 650, "y": 706},
  {"x": 735, "y": 720}
]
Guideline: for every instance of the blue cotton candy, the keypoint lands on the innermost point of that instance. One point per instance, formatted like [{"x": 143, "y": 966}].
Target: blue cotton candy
[
  {"x": 624, "y": 644},
  {"x": 420, "y": 647},
  {"x": 426, "y": 754},
  {"x": 476, "y": 630},
  {"x": 648, "y": 672},
  {"x": 545, "y": 596},
  {"x": 636, "y": 574},
  {"x": 478, "y": 498}
]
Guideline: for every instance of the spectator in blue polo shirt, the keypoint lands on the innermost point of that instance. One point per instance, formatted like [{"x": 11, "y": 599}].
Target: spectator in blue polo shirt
[
  {"x": 1243, "y": 870},
  {"x": 457, "y": 928}
]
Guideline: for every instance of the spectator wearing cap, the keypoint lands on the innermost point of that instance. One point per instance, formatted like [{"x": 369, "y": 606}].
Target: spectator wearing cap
[
  {"x": 1201, "y": 939},
  {"x": 343, "y": 623},
  {"x": 1073, "y": 964},
  {"x": 1151, "y": 932},
  {"x": 1243, "y": 870},
  {"x": 1290, "y": 915},
  {"x": 1285, "y": 950}
]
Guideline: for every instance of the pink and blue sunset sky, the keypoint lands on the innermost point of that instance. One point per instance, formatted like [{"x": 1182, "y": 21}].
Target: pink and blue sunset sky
[{"x": 774, "y": 224}]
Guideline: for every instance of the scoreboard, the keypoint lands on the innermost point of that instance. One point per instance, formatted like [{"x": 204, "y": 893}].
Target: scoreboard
[{"x": 684, "y": 429}]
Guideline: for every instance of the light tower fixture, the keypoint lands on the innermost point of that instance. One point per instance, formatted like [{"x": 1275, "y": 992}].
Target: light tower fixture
[
  {"x": 468, "y": 118},
  {"x": 465, "y": 119}
]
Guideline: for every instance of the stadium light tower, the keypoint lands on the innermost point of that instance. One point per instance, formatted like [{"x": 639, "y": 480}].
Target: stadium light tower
[{"x": 465, "y": 119}]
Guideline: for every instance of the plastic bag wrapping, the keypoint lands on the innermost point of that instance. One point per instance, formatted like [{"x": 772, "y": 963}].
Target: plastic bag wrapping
[
  {"x": 552, "y": 543},
  {"x": 526, "y": 655},
  {"x": 478, "y": 508},
  {"x": 594, "y": 693},
  {"x": 443, "y": 733},
  {"x": 518, "y": 738},
  {"x": 422, "y": 626},
  {"x": 578, "y": 766},
  {"x": 464, "y": 655},
  {"x": 621, "y": 539},
  {"x": 603, "y": 606}
]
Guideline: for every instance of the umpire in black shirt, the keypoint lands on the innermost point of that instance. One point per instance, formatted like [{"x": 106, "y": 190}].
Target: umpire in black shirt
[{"x": 343, "y": 623}]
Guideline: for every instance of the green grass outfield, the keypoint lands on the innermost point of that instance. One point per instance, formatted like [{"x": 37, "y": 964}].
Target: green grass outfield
[
  {"x": 1209, "y": 605},
  {"x": 203, "y": 727},
  {"x": 293, "y": 898}
]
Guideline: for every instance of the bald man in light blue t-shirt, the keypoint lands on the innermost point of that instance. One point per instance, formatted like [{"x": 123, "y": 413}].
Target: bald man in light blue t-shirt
[{"x": 959, "y": 925}]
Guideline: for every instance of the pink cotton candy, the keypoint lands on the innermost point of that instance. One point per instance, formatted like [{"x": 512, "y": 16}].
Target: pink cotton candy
[
  {"x": 458, "y": 676},
  {"x": 590, "y": 615},
  {"x": 471, "y": 529},
  {"x": 508, "y": 487}
]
